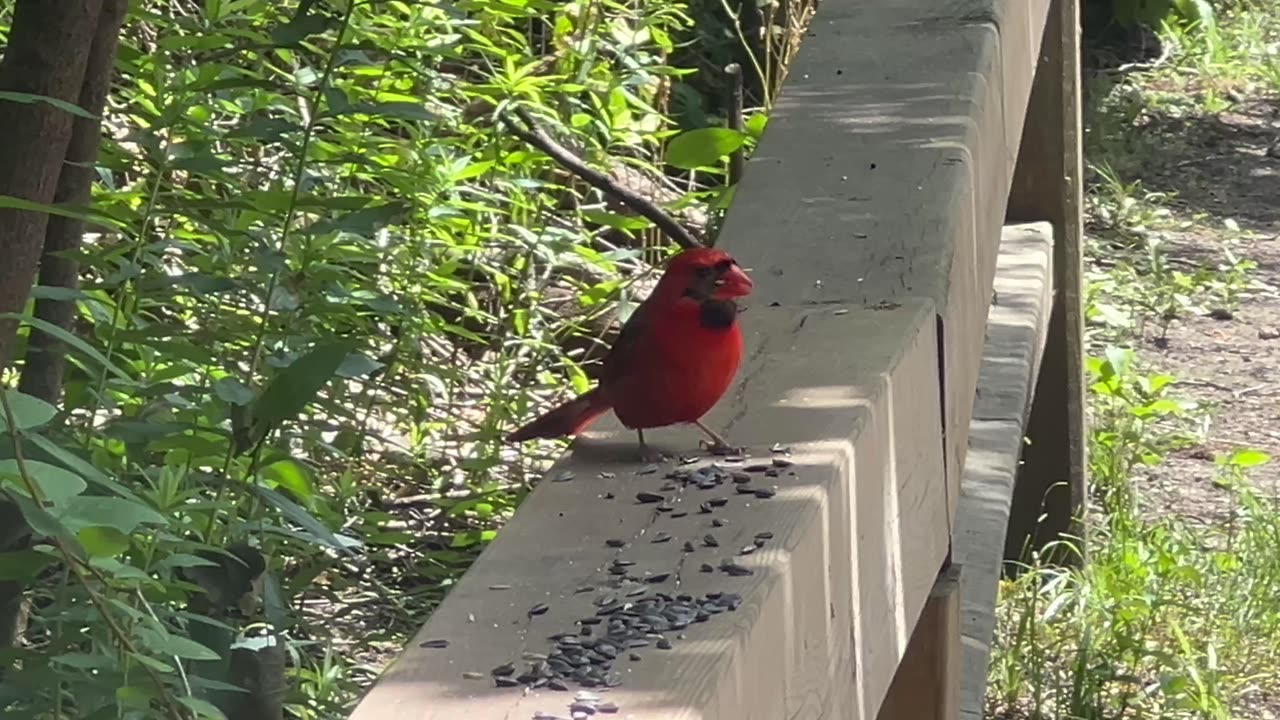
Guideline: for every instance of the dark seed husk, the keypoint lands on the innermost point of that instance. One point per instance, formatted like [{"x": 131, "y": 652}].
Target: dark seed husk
[
  {"x": 647, "y": 470},
  {"x": 472, "y": 675},
  {"x": 766, "y": 535},
  {"x": 500, "y": 586},
  {"x": 771, "y": 472},
  {"x": 664, "y": 644},
  {"x": 687, "y": 547},
  {"x": 661, "y": 538},
  {"x": 747, "y": 550},
  {"x": 564, "y": 476},
  {"x": 765, "y": 493},
  {"x": 782, "y": 462},
  {"x": 503, "y": 670},
  {"x": 659, "y": 578},
  {"x": 648, "y": 497},
  {"x": 634, "y": 657},
  {"x": 434, "y": 644},
  {"x": 615, "y": 542},
  {"x": 503, "y": 681},
  {"x": 745, "y": 490},
  {"x": 756, "y": 467},
  {"x": 736, "y": 570},
  {"x": 759, "y": 542},
  {"x": 710, "y": 540},
  {"x": 665, "y": 507},
  {"x": 719, "y": 522},
  {"x": 680, "y": 514},
  {"x": 704, "y": 508},
  {"x": 557, "y": 684},
  {"x": 539, "y": 609},
  {"x": 718, "y": 501},
  {"x": 706, "y": 568},
  {"x": 620, "y": 562},
  {"x": 741, "y": 477}
]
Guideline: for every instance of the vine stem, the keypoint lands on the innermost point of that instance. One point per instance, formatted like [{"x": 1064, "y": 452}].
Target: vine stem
[{"x": 79, "y": 567}]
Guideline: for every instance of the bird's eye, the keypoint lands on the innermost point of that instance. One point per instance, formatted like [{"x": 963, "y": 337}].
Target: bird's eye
[
  {"x": 724, "y": 265},
  {"x": 703, "y": 272}
]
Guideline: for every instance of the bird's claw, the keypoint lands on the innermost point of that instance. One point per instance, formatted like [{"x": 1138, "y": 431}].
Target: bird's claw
[{"x": 721, "y": 449}]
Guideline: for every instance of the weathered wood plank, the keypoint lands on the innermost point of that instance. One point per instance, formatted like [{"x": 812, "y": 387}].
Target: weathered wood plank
[
  {"x": 1047, "y": 186},
  {"x": 926, "y": 686},
  {"x": 887, "y": 158},
  {"x": 1016, "y": 328},
  {"x": 830, "y": 608}
]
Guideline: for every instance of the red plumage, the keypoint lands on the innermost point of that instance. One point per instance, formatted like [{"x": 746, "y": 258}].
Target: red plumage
[{"x": 673, "y": 360}]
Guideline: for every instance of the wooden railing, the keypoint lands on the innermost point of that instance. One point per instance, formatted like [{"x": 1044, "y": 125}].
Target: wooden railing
[{"x": 870, "y": 217}]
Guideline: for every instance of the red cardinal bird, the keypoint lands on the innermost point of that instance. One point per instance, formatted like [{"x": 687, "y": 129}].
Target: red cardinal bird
[{"x": 674, "y": 358}]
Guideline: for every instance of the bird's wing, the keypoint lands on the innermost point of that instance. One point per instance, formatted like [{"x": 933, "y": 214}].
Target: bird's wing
[{"x": 627, "y": 348}]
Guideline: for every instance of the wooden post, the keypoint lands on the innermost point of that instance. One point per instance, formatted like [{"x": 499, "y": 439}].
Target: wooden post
[
  {"x": 927, "y": 683},
  {"x": 1052, "y": 484}
]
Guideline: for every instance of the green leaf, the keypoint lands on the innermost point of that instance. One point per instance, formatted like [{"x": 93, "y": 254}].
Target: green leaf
[
  {"x": 233, "y": 391},
  {"x": 357, "y": 364},
  {"x": 81, "y": 467},
  {"x": 16, "y": 203},
  {"x": 292, "y": 475},
  {"x": 301, "y": 517},
  {"x": 296, "y": 385},
  {"x": 70, "y": 339},
  {"x": 702, "y": 147},
  {"x": 202, "y": 708},
  {"x": 63, "y": 105},
  {"x": 44, "y": 292},
  {"x": 56, "y": 485},
  {"x": 85, "y": 661},
  {"x": 99, "y": 511},
  {"x": 23, "y": 564},
  {"x": 28, "y": 411},
  {"x": 1249, "y": 458},
  {"x": 165, "y": 643},
  {"x": 103, "y": 541}
]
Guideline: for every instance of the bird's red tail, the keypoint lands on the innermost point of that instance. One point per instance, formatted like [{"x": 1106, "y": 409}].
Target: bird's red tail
[{"x": 570, "y": 418}]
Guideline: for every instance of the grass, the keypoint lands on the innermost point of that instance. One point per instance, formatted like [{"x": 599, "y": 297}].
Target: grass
[{"x": 1175, "y": 615}]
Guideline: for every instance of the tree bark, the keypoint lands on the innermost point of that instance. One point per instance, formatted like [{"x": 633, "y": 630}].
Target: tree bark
[
  {"x": 45, "y": 359},
  {"x": 49, "y": 44}
]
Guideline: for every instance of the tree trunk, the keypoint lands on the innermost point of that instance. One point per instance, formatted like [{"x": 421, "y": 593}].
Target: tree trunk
[
  {"x": 48, "y": 47},
  {"x": 45, "y": 359},
  {"x": 49, "y": 43}
]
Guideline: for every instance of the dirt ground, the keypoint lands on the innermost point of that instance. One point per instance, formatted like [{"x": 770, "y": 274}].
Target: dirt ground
[{"x": 1218, "y": 169}]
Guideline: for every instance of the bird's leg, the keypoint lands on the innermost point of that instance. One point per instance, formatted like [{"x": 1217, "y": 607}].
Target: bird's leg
[
  {"x": 718, "y": 445},
  {"x": 647, "y": 455}
]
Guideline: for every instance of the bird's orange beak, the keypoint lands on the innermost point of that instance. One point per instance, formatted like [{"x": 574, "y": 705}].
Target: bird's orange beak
[{"x": 733, "y": 283}]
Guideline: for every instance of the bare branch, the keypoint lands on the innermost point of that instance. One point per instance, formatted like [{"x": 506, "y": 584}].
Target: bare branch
[{"x": 533, "y": 134}]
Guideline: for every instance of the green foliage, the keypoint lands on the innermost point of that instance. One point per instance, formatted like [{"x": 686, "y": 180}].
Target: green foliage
[{"x": 322, "y": 278}]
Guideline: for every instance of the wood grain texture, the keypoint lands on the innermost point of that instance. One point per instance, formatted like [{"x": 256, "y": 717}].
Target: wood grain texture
[
  {"x": 857, "y": 531},
  {"x": 868, "y": 217},
  {"x": 926, "y": 686},
  {"x": 1047, "y": 186},
  {"x": 1016, "y": 329}
]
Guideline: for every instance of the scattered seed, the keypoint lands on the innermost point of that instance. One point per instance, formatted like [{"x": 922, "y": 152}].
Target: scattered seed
[
  {"x": 648, "y": 497},
  {"x": 584, "y": 589},
  {"x": 687, "y": 547},
  {"x": 634, "y": 657},
  {"x": 564, "y": 476},
  {"x": 500, "y": 587},
  {"x": 706, "y": 568},
  {"x": 765, "y": 493},
  {"x": 505, "y": 682},
  {"x": 539, "y": 609},
  {"x": 609, "y": 496},
  {"x": 780, "y": 448},
  {"x": 710, "y": 541},
  {"x": 503, "y": 670},
  {"x": 608, "y": 475},
  {"x": 647, "y": 470},
  {"x": 704, "y": 508},
  {"x": 664, "y": 644},
  {"x": 665, "y": 507},
  {"x": 659, "y": 578},
  {"x": 718, "y": 501},
  {"x": 557, "y": 684},
  {"x": 680, "y": 514},
  {"x": 434, "y": 644},
  {"x": 736, "y": 570},
  {"x": 747, "y": 550},
  {"x": 623, "y": 563},
  {"x": 472, "y": 675},
  {"x": 615, "y": 542},
  {"x": 661, "y": 538},
  {"x": 756, "y": 467},
  {"x": 759, "y": 542},
  {"x": 766, "y": 535},
  {"x": 719, "y": 522},
  {"x": 745, "y": 490}
]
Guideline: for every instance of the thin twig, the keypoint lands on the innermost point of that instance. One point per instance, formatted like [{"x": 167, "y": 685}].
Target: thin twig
[
  {"x": 738, "y": 159},
  {"x": 533, "y": 134}
]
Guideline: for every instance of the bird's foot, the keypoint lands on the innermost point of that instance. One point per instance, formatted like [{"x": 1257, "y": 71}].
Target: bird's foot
[{"x": 721, "y": 449}]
